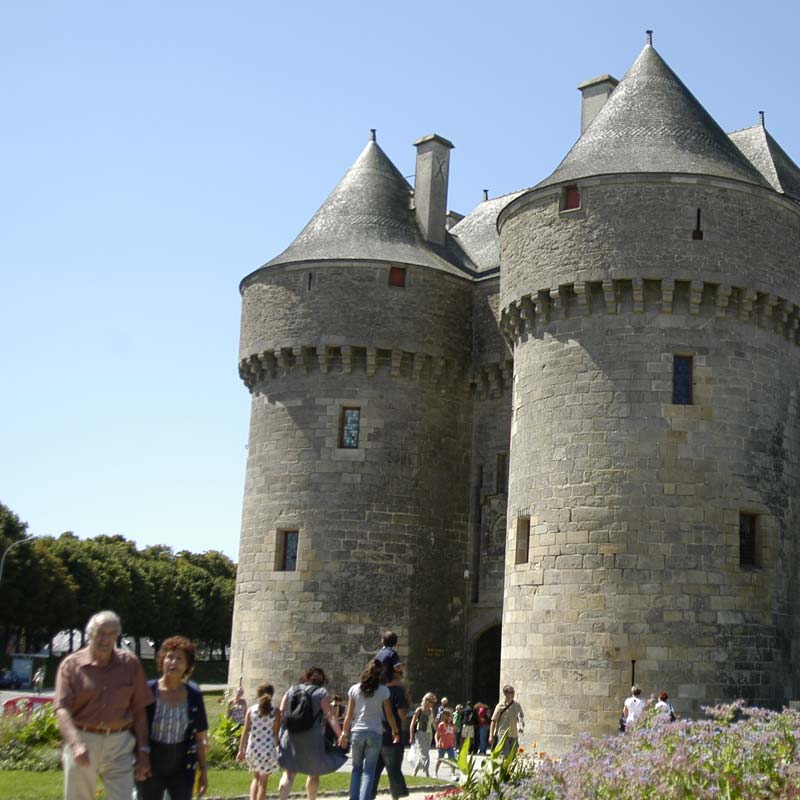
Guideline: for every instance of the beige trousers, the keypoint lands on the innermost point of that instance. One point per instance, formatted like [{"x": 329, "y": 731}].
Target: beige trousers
[{"x": 110, "y": 758}]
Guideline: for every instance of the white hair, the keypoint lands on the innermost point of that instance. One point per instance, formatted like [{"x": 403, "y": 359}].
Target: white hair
[{"x": 102, "y": 618}]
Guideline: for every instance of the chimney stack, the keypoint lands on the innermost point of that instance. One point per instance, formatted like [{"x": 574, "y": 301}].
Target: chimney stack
[
  {"x": 595, "y": 92},
  {"x": 430, "y": 186}
]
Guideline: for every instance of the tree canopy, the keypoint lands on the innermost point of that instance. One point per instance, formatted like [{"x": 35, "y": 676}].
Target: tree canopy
[{"x": 51, "y": 584}]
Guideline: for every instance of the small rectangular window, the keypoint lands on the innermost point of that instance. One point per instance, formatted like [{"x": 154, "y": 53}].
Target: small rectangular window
[
  {"x": 286, "y": 555},
  {"x": 682, "y": 380},
  {"x": 572, "y": 198},
  {"x": 747, "y": 540},
  {"x": 522, "y": 540},
  {"x": 697, "y": 233},
  {"x": 349, "y": 428},
  {"x": 397, "y": 276},
  {"x": 502, "y": 471}
]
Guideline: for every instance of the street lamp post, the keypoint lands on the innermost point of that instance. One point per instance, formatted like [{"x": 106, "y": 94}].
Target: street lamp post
[{"x": 5, "y": 553}]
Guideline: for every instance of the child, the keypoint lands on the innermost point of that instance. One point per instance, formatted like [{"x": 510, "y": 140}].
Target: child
[
  {"x": 257, "y": 745},
  {"x": 445, "y": 741}
]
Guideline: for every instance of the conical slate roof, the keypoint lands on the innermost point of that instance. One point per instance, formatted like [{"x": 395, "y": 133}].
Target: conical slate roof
[
  {"x": 477, "y": 235},
  {"x": 368, "y": 217},
  {"x": 653, "y": 123},
  {"x": 769, "y": 158}
]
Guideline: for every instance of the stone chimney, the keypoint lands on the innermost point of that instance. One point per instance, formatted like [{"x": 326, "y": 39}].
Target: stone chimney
[
  {"x": 430, "y": 186},
  {"x": 595, "y": 93}
]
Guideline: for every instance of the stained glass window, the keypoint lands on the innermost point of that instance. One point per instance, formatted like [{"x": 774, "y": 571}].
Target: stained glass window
[
  {"x": 682, "y": 380},
  {"x": 351, "y": 422}
]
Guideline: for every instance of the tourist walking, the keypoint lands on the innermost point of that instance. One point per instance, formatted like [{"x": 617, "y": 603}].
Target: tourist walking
[
  {"x": 237, "y": 707},
  {"x": 420, "y": 733},
  {"x": 665, "y": 708},
  {"x": 100, "y": 701},
  {"x": 392, "y": 752},
  {"x": 302, "y": 746},
  {"x": 507, "y": 719},
  {"x": 483, "y": 720},
  {"x": 258, "y": 745},
  {"x": 177, "y": 726},
  {"x": 632, "y": 709},
  {"x": 458, "y": 722},
  {"x": 445, "y": 741},
  {"x": 366, "y": 702},
  {"x": 387, "y": 654},
  {"x": 468, "y": 724}
]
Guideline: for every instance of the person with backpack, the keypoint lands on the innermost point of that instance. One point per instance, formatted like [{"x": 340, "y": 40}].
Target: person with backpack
[
  {"x": 302, "y": 746},
  {"x": 367, "y": 705},
  {"x": 257, "y": 745}
]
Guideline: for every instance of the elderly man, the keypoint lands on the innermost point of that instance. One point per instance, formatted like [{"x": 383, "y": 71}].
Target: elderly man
[
  {"x": 507, "y": 718},
  {"x": 100, "y": 701}
]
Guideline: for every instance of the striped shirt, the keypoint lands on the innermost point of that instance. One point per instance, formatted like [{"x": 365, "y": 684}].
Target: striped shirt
[{"x": 170, "y": 724}]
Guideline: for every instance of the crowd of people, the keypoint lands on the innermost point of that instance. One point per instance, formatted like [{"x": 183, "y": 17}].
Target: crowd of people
[{"x": 150, "y": 737}]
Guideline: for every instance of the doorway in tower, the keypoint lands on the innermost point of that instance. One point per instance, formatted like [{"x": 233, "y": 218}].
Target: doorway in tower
[{"x": 486, "y": 667}]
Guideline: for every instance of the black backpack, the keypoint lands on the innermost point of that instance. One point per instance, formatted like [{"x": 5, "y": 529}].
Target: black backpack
[
  {"x": 299, "y": 714},
  {"x": 469, "y": 716}
]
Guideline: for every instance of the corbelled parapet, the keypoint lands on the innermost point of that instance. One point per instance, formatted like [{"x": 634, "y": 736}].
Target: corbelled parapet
[
  {"x": 659, "y": 295},
  {"x": 259, "y": 370}
]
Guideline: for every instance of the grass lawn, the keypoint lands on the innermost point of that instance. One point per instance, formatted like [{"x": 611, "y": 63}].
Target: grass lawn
[{"x": 17, "y": 785}]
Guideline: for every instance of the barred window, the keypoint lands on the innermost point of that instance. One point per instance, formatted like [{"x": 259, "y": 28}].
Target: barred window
[
  {"x": 349, "y": 428},
  {"x": 682, "y": 380}
]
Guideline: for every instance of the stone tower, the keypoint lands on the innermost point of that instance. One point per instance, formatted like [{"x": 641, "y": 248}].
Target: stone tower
[
  {"x": 354, "y": 344},
  {"x": 650, "y": 289},
  {"x": 573, "y": 411}
]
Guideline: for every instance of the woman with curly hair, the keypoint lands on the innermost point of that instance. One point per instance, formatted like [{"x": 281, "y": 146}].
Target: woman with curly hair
[{"x": 177, "y": 726}]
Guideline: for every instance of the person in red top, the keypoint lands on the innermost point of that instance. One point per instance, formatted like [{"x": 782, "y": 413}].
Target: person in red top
[
  {"x": 445, "y": 741},
  {"x": 100, "y": 701},
  {"x": 484, "y": 720}
]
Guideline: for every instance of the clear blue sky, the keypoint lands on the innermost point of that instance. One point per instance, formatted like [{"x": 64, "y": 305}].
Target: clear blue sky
[{"x": 154, "y": 153}]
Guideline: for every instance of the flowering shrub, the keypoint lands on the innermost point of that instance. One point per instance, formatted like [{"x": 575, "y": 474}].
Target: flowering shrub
[
  {"x": 30, "y": 743},
  {"x": 451, "y": 791},
  {"x": 739, "y": 753}
]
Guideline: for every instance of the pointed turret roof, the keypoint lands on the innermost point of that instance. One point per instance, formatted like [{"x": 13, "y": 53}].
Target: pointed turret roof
[
  {"x": 769, "y": 158},
  {"x": 368, "y": 217},
  {"x": 477, "y": 235},
  {"x": 653, "y": 123}
]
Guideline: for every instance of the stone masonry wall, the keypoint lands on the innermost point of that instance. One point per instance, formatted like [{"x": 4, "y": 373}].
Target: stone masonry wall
[
  {"x": 633, "y": 501},
  {"x": 342, "y": 303},
  {"x": 382, "y": 528}
]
